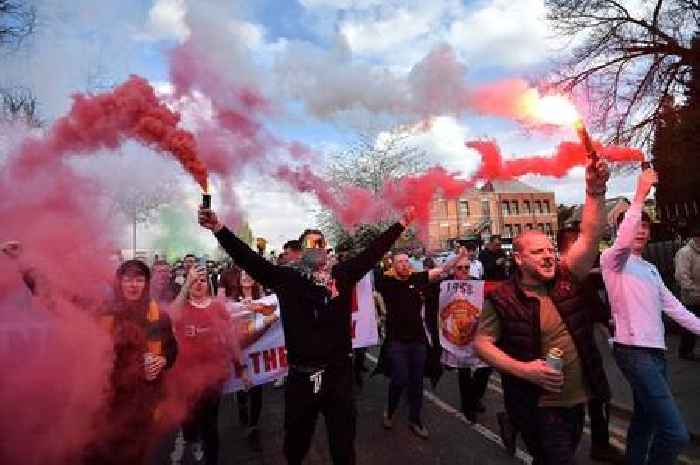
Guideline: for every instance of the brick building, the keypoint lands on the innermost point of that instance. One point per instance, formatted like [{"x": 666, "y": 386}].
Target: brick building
[{"x": 498, "y": 207}]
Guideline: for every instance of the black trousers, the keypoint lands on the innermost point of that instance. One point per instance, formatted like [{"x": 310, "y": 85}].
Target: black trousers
[
  {"x": 472, "y": 386},
  {"x": 202, "y": 424},
  {"x": 334, "y": 400},
  {"x": 552, "y": 437},
  {"x": 599, "y": 413},
  {"x": 250, "y": 405},
  {"x": 687, "y": 344}
]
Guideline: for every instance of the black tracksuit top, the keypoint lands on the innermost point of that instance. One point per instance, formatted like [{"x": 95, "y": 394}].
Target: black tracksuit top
[{"x": 317, "y": 328}]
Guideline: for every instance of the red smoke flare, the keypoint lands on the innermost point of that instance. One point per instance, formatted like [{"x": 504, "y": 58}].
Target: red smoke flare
[
  {"x": 130, "y": 111},
  {"x": 567, "y": 156},
  {"x": 353, "y": 205}
]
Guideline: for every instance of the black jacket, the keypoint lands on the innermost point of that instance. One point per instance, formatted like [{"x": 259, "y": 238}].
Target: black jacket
[
  {"x": 317, "y": 326},
  {"x": 492, "y": 270}
]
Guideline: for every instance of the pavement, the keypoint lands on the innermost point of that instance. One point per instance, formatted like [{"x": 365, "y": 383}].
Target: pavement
[{"x": 453, "y": 441}]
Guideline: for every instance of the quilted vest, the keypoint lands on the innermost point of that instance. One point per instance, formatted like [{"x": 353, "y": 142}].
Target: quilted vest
[{"x": 521, "y": 338}]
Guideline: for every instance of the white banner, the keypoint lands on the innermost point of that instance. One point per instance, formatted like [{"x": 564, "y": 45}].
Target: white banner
[
  {"x": 364, "y": 316},
  {"x": 458, "y": 319},
  {"x": 267, "y": 356}
]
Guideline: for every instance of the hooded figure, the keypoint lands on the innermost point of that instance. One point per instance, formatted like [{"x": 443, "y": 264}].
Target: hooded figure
[{"x": 144, "y": 346}]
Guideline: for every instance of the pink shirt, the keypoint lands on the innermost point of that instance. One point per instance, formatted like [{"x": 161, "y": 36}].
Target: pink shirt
[{"x": 637, "y": 293}]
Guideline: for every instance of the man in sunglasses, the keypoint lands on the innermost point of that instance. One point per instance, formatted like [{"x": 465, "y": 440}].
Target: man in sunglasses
[{"x": 315, "y": 306}]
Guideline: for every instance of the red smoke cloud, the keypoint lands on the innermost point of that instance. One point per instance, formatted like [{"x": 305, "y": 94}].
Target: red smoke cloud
[
  {"x": 353, "y": 205},
  {"x": 105, "y": 121},
  {"x": 566, "y": 156},
  {"x": 55, "y": 360}
]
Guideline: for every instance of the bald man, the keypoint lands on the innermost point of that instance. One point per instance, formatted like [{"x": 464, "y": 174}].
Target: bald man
[{"x": 540, "y": 308}]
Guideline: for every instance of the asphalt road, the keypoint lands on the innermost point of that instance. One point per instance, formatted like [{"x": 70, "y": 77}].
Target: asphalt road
[{"x": 452, "y": 440}]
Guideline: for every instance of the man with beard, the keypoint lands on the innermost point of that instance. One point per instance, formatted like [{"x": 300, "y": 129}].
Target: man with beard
[
  {"x": 542, "y": 307},
  {"x": 315, "y": 305}
]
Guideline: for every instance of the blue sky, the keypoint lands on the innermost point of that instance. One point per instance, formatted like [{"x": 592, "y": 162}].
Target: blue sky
[{"x": 259, "y": 42}]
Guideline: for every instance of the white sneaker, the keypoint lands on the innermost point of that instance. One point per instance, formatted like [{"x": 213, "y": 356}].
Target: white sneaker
[
  {"x": 419, "y": 430},
  {"x": 279, "y": 382}
]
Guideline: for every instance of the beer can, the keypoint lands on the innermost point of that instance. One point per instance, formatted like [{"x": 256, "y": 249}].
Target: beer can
[
  {"x": 206, "y": 201},
  {"x": 555, "y": 358}
]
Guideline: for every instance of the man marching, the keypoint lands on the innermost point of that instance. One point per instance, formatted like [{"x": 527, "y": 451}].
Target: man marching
[
  {"x": 541, "y": 309},
  {"x": 315, "y": 305}
]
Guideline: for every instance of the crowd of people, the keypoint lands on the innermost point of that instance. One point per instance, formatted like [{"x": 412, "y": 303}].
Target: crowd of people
[{"x": 192, "y": 320}]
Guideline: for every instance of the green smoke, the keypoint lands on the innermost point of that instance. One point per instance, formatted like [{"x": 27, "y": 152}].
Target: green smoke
[{"x": 179, "y": 235}]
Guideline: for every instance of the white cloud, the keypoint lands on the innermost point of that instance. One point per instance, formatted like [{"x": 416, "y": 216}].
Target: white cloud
[
  {"x": 490, "y": 32},
  {"x": 166, "y": 20},
  {"x": 503, "y": 33},
  {"x": 382, "y": 34},
  {"x": 273, "y": 212},
  {"x": 444, "y": 143},
  {"x": 340, "y": 4}
]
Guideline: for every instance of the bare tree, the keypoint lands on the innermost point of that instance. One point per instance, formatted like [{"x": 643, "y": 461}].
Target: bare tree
[
  {"x": 17, "y": 21},
  {"x": 376, "y": 157},
  {"x": 18, "y": 104},
  {"x": 628, "y": 57},
  {"x": 141, "y": 203}
]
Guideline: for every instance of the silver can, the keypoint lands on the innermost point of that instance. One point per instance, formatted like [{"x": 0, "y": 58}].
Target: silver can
[{"x": 555, "y": 358}]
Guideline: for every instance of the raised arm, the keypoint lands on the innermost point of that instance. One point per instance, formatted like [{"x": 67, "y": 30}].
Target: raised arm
[
  {"x": 36, "y": 282},
  {"x": 583, "y": 252},
  {"x": 260, "y": 269},
  {"x": 356, "y": 267},
  {"x": 616, "y": 256}
]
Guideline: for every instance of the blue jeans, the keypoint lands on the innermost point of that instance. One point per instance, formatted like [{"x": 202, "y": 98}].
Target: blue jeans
[
  {"x": 656, "y": 433},
  {"x": 407, "y": 366}
]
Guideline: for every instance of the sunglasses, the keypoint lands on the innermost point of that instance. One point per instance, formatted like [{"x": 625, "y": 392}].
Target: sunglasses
[{"x": 462, "y": 267}]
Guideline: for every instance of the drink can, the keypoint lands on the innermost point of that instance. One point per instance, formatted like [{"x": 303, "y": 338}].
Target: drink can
[
  {"x": 149, "y": 359},
  {"x": 555, "y": 358}
]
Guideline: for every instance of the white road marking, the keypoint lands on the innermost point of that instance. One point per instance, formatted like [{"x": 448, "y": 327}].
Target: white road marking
[{"x": 482, "y": 430}]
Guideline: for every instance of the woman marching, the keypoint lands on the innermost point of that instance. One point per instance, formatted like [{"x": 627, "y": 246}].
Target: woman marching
[{"x": 208, "y": 342}]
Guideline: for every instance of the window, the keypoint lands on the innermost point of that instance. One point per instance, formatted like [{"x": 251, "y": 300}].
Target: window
[
  {"x": 485, "y": 208},
  {"x": 526, "y": 207},
  {"x": 514, "y": 207},
  {"x": 538, "y": 207},
  {"x": 441, "y": 208},
  {"x": 528, "y": 227},
  {"x": 546, "y": 206},
  {"x": 548, "y": 229},
  {"x": 518, "y": 229},
  {"x": 540, "y": 226},
  {"x": 508, "y": 230},
  {"x": 463, "y": 208},
  {"x": 505, "y": 208}
]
